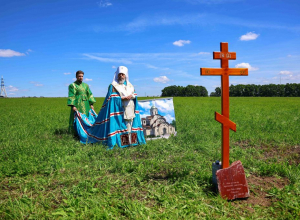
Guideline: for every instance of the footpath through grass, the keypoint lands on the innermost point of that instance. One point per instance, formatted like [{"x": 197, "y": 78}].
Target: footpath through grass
[{"x": 47, "y": 174}]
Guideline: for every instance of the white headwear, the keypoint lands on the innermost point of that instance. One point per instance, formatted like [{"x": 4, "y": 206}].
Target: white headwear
[
  {"x": 121, "y": 69},
  {"x": 125, "y": 91}
]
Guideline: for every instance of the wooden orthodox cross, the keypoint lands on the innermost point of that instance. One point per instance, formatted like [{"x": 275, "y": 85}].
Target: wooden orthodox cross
[{"x": 225, "y": 72}]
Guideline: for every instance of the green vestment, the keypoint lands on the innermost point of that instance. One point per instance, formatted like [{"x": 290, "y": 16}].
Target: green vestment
[{"x": 81, "y": 97}]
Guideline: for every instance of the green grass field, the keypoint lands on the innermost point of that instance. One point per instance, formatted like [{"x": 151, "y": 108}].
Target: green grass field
[{"x": 47, "y": 174}]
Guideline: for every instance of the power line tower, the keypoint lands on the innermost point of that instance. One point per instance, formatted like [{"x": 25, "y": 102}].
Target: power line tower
[{"x": 3, "y": 91}]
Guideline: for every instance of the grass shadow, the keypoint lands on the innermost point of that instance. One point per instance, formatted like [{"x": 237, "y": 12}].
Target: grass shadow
[
  {"x": 61, "y": 131},
  {"x": 171, "y": 176},
  {"x": 209, "y": 188}
]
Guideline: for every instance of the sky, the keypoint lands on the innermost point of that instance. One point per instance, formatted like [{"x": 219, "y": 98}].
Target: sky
[
  {"x": 162, "y": 43},
  {"x": 164, "y": 107}
]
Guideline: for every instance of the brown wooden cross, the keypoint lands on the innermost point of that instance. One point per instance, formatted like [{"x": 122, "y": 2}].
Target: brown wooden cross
[{"x": 225, "y": 72}]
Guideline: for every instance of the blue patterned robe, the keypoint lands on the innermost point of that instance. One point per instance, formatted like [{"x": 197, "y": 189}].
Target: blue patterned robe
[{"x": 109, "y": 126}]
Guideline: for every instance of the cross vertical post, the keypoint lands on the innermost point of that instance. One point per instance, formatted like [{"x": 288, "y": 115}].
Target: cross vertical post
[{"x": 224, "y": 72}]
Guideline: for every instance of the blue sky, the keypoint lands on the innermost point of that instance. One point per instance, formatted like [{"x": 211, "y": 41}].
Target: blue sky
[{"x": 163, "y": 43}]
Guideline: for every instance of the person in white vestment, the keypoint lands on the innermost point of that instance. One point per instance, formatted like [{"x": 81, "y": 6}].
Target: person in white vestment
[
  {"x": 122, "y": 85},
  {"x": 119, "y": 121}
]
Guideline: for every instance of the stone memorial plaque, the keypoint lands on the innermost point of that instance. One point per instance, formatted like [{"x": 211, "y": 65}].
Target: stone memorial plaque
[{"x": 232, "y": 183}]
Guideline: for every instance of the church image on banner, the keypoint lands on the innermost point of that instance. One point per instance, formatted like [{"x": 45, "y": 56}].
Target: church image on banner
[{"x": 161, "y": 121}]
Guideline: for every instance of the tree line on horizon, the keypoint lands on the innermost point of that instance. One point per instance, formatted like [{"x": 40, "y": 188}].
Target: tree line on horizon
[
  {"x": 249, "y": 90},
  {"x": 269, "y": 90},
  {"x": 189, "y": 90}
]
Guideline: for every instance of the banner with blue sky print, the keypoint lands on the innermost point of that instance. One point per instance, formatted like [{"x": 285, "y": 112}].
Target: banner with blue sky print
[{"x": 157, "y": 117}]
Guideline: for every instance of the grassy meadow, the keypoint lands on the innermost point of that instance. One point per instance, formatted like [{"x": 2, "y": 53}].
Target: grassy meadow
[{"x": 45, "y": 173}]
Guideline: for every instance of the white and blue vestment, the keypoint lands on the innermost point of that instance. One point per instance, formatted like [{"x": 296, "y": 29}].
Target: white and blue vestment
[{"x": 109, "y": 127}]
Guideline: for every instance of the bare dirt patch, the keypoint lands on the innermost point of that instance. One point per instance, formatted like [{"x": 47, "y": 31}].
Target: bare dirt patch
[
  {"x": 281, "y": 153},
  {"x": 289, "y": 153},
  {"x": 259, "y": 186},
  {"x": 139, "y": 155}
]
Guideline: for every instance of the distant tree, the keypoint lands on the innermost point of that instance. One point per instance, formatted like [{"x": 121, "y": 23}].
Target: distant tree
[
  {"x": 212, "y": 94},
  {"x": 249, "y": 90},
  {"x": 280, "y": 90},
  {"x": 218, "y": 91},
  {"x": 170, "y": 91},
  {"x": 298, "y": 90},
  {"x": 189, "y": 90},
  {"x": 202, "y": 90},
  {"x": 257, "y": 90},
  {"x": 270, "y": 90},
  {"x": 291, "y": 90}
]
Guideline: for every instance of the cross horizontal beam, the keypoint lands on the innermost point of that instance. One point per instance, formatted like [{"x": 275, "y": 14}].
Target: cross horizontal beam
[{"x": 224, "y": 71}]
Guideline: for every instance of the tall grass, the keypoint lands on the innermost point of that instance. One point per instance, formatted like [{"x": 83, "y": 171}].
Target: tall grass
[{"x": 46, "y": 173}]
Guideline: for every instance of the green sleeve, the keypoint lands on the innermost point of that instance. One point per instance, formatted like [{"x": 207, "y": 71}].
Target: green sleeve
[
  {"x": 72, "y": 98},
  {"x": 90, "y": 96}
]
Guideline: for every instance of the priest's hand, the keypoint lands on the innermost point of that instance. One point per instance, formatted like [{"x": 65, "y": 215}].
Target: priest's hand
[
  {"x": 74, "y": 108},
  {"x": 92, "y": 107},
  {"x": 126, "y": 97}
]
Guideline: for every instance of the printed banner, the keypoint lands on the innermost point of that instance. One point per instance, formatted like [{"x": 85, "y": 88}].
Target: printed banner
[{"x": 157, "y": 118}]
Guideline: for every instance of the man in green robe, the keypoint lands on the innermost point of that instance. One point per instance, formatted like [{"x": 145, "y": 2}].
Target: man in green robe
[{"x": 80, "y": 98}]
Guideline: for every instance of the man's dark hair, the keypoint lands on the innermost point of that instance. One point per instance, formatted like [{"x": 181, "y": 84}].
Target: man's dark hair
[{"x": 79, "y": 72}]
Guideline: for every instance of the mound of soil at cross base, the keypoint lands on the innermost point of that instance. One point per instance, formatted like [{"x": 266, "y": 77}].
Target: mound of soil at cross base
[{"x": 259, "y": 185}]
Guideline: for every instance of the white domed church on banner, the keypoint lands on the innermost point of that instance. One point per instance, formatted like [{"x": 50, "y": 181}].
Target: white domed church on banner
[{"x": 156, "y": 125}]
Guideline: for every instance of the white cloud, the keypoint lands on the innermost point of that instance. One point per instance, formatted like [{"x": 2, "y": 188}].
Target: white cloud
[
  {"x": 161, "y": 79},
  {"x": 12, "y": 89},
  {"x": 181, "y": 43},
  {"x": 285, "y": 72},
  {"x": 204, "y": 53},
  {"x": 11, "y": 93},
  {"x": 108, "y": 60},
  {"x": 87, "y": 79},
  {"x": 249, "y": 36},
  {"x": 145, "y": 105},
  {"x": 289, "y": 55},
  {"x": 287, "y": 75},
  {"x": 246, "y": 65},
  {"x": 36, "y": 83},
  {"x": 114, "y": 67},
  {"x": 165, "y": 105},
  {"x": 142, "y": 22},
  {"x": 104, "y": 3},
  {"x": 29, "y": 50},
  {"x": 10, "y": 53},
  {"x": 151, "y": 66},
  {"x": 67, "y": 73}
]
